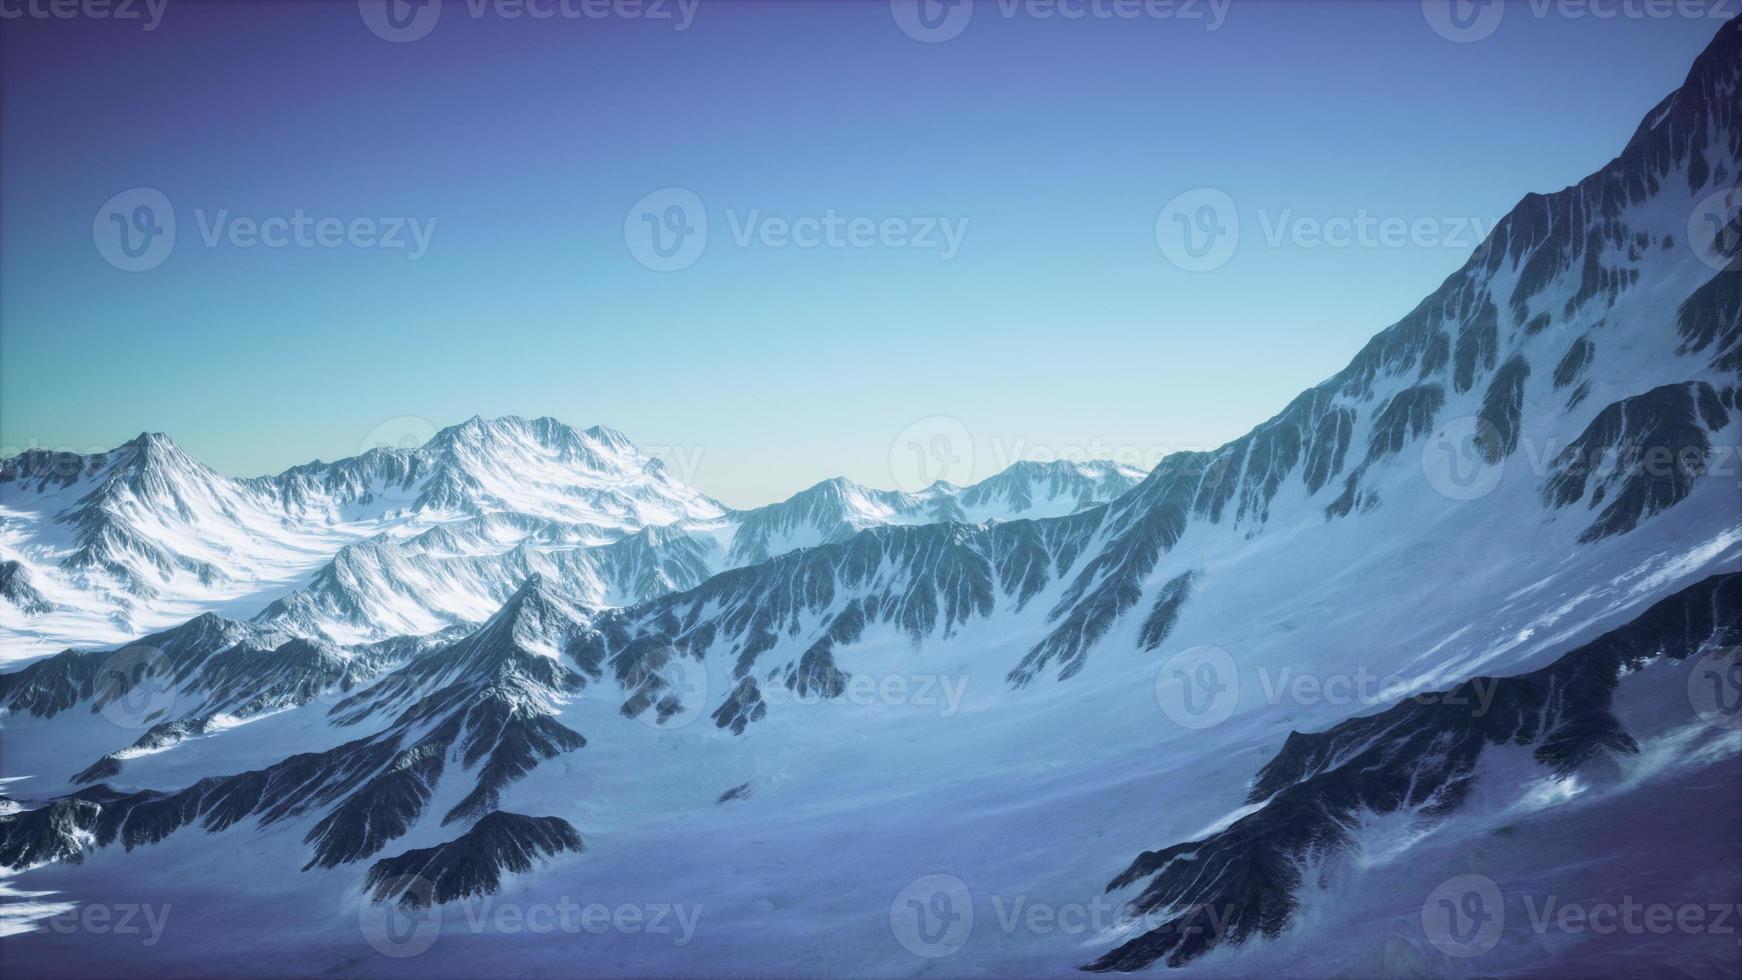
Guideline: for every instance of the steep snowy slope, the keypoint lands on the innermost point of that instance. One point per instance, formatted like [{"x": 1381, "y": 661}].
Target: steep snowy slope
[{"x": 1448, "y": 614}]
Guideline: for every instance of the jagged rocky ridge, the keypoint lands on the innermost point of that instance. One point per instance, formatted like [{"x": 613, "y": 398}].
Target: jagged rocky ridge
[
  {"x": 1418, "y": 757},
  {"x": 485, "y": 702},
  {"x": 472, "y": 863},
  {"x": 17, "y": 588},
  {"x": 181, "y": 682}
]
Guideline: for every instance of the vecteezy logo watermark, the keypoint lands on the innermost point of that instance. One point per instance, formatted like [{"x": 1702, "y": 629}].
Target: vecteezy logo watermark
[
  {"x": 135, "y": 688},
  {"x": 1454, "y": 462},
  {"x": 1463, "y": 21},
  {"x": 299, "y": 230},
  {"x": 931, "y": 449},
  {"x": 933, "y": 916},
  {"x": 406, "y": 926},
  {"x": 668, "y": 229},
  {"x": 1632, "y": 917},
  {"x": 678, "y": 689},
  {"x": 931, "y": 21},
  {"x": 402, "y": 21},
  {"x": 684, "y": 463},
  {"x": 1715, "y": 687},
  {"x": 935, "y": 21},
  {"x": 113, "y": 919},
  {"x": 1199, "y": 229},
  {"x": 833, "y": 230},
  {"x": 134, "y": 231},
  {"x": 943, "y": 692},
  {"x": 1199, "y": 687},
  {"x": 1464, "y": 916},
  {"x": 148, "y": 12},
  {"x": 1715, "y": 228}
]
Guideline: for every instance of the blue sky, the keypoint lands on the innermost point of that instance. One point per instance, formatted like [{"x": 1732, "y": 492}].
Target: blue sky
[{"x": 521, "y": 148}]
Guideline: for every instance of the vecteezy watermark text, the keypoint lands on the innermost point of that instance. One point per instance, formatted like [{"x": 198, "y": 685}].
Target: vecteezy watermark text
[
  {"x": 936, "y": 21},
  {"x": 667, "y": 230},
  {"x": 1464, "y": 916},
  {"x": 301, "y": 230},
  {"x": 1200, "y": 229},
  {"x": 404, "y": 21},
  {"x": 941, "y": 691},
  {"x": 396, "y": 930},
  {"x": 935, "y": 916},
  {"x": 1201, "y": 687},
  {"x": 113, "y": 919},
  {"x": 149, "y": 13},
  {"x": 136, "y": 230},
  {"x": 1466, "y": 21}
]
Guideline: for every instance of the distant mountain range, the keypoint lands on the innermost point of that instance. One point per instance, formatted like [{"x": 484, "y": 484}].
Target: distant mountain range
[{"x": 410, "y": 541}]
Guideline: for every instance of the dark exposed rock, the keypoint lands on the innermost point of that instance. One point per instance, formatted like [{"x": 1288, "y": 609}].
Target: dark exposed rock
[
  {"x": 472, "y": 863},
  {"x": 17, "y": 588},
  {"x": 1641, "y": 455},
  {"x": 1573, "y": 363},
  {"x": 1329, "y": 447},
  {"x": 1712, "y": 318},
  {"x": 1419, "y": 756},
  {"x": 172, "y": 657},
  {"x": 1579, "y": 394},
  {"x": 206, "y": 666},
  {"x": 1166, "y": 611},
  {"x": 1354, "y": 496},
  {"x": 1502, "y": 411},
  {"x": 1478, "y": 341},
  {"x": 1408, "y": 415},
  {"x": 494, "y": 716},
  {"x": 743, "y": 706},
  {"x": 55, "y": 832}
]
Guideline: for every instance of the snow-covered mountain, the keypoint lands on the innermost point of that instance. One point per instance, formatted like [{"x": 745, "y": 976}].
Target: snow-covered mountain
[
  {"x": 835, "y": 510},
  {"x": 1465, "y": 610},
  {"x": 101, "y": 548},
  {"x": 461, "y": 572}
]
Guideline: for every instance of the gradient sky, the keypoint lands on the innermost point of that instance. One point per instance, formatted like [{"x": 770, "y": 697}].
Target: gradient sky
[{"x": 1058, "y": 326}]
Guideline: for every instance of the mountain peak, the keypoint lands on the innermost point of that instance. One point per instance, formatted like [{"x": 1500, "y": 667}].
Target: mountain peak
[
  {"x": 154, "y": 445},
  {"x": 610, "y": 437},
  {"x": 1709, "y": 95}
]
